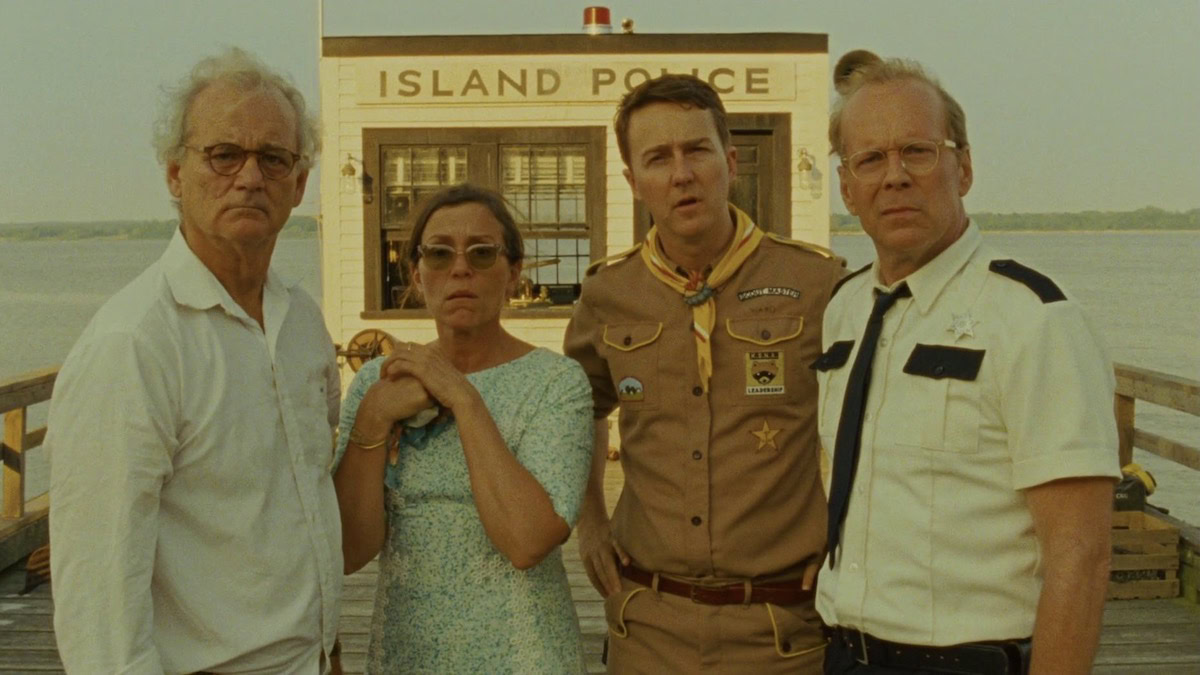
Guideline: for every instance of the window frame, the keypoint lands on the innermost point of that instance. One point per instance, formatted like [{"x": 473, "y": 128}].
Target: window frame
[{"x": 483, "y": 151}]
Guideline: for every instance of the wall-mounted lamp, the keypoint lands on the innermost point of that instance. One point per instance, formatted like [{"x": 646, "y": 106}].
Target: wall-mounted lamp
[
  {"x": 351, "y": 183},
  {"x": 810, "y": 176}
]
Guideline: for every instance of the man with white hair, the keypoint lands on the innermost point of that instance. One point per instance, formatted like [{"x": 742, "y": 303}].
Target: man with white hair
[{"x": 193, "y": 516}]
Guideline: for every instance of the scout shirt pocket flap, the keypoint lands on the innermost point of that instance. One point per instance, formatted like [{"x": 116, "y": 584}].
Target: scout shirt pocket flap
[
  {"x": 834, "y": 357},
  {"x": 764, "y": 330},
  {"x": 941, "y": 361},
  {"x": 627, "y": 337}
]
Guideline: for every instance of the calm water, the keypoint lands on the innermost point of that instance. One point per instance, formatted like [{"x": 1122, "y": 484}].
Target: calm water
[{"x": 1141, "y": 290}]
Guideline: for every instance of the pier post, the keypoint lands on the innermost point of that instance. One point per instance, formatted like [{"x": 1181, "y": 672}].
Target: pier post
[
  {"x": 1123, "y": 408},
  {"x": 13, "y": 455}
]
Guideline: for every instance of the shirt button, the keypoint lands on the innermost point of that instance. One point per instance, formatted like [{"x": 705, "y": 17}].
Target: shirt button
[
  {"x": 882, "y": 342},
  {"x": 697, "y": 390},
  {"x": 867, "y": 417},
  {"x": 696, "y": 454},
  {"x": 766, "y": 334},
  {"x": 696, "y": 520},
  {"x": 853, "y": 567},
  {"x": 628, "y": 340}
]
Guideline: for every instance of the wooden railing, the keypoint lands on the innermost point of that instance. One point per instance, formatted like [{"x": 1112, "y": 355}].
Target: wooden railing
[
  {"x": 23, "y": 524},
  {"x": 1170, "y": 391}
]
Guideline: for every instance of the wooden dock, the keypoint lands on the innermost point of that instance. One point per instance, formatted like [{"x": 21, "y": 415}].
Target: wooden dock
[
  {"x": 1153, "y": 637},
  {"x": 1140, "y": 637}
]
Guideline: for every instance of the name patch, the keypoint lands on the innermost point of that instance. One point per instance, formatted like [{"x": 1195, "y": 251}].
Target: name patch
[
  {"x": 764, "y": 373},
  {"x": 752, "y": 293}
]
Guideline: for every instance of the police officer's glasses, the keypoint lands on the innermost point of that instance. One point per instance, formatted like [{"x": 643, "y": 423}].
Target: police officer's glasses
[
  {"x": 479, "y": 256},
  {"x": 918, "y": 158},
  {"x": 227, "y": 159}
]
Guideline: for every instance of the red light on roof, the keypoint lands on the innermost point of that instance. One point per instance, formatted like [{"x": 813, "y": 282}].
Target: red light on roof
[{"x": 597, "y": 20}]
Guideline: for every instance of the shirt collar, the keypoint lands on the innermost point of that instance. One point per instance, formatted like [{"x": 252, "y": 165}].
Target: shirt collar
[
  {"x": 928, "y": 282},
  {"x": 194, "y": 285}
]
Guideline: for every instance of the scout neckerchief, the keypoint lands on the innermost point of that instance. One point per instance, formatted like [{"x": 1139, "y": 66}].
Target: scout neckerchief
[{"x": 696, "y": 290}]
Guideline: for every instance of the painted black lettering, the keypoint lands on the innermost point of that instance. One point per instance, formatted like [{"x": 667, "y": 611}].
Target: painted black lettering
[
  {"x": 475, "y": 81},
  {"x": 410, "y": 79},
  {"x": 544, "y": 89},
  {"x": 712, "y": 80},
  {"x": 437, "y": 74},
  {"x": 757, "y": 81},
  {"x": 602, "y": 77},
  {"x": 629, "y": 83},
  {"x": 521, "y": 87}
]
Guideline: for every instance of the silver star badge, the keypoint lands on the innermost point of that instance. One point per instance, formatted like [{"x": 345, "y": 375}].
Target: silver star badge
[{"x": 962, "y": 324}]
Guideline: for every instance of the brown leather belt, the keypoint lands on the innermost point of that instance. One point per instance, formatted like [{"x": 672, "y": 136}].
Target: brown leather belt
[{"x": 784, "y": 593}]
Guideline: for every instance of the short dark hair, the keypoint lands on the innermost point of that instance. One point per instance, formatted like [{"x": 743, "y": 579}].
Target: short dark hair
[
  {"x": 685, "y": 90},
  {"x": 465, "y": 193}
]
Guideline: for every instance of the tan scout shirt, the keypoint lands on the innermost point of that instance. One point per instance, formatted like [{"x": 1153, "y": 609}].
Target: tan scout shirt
[
  {"x": 724, "y": 484},
  {"x": 980, "y": 389}
]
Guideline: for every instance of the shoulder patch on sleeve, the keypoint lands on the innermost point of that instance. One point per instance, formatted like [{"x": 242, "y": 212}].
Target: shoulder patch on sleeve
[
  {"x": 596, "y": 266},
  {"x": 1037, "y": 282},
  {"x": 811, "y": 248},
  {"x": 848, "y": 277}
]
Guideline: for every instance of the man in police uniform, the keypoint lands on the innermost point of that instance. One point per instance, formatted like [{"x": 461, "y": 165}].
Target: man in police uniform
[
  {"x": 968, "y": 408},
  {"x": 702, "y": 337}
]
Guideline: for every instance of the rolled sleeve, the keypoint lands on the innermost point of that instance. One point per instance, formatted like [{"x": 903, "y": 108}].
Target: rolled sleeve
[
  {"x": 110, "y": 441},
  {"x": 1058, "y": 401}
]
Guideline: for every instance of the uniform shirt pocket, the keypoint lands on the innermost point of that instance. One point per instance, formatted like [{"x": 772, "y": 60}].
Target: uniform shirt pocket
[
  {"x": 940, "y": 407},
  {"x": 770, "y": 354},
  {"x": 832, "y": 374},
  {"x": 633, "y": 362}
]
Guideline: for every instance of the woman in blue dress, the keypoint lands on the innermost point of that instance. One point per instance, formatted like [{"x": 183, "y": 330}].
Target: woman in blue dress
[{"x": 467, "y": 512}]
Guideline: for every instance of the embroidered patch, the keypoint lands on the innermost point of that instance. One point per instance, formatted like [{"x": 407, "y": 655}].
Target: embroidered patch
[
  {"x": 766, "y": 437},
  {"x": 764, "y": 373},
  {"x": 630, "y": 389},
  {"x": 752, "y": 293}
]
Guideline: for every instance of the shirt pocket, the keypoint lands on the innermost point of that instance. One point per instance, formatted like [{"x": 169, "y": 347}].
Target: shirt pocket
[
  {"x": 832, "y": 374},
  {"x": 937, "y": 406},
  {"x": 769, "y": 350},
  {"x": 633, "y": 362}
]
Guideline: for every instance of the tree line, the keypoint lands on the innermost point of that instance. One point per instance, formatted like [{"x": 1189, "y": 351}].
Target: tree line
[
  {"x": 1148, "y": 218},
  {"x": 296, "y": 226}
]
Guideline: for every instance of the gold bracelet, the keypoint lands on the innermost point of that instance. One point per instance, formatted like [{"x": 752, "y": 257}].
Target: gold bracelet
[{"x": 355, "y": 439}]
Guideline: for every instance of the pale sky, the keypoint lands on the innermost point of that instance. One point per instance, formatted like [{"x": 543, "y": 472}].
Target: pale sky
[{"x": 1071, "y": 104}]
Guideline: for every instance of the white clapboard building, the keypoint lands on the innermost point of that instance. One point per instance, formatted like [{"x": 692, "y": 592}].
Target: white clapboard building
[{"x": 531, "y": 116}]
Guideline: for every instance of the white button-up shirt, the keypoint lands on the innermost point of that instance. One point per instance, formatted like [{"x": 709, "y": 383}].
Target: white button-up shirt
[
  {"x": 938, "y": 545},
  {"x": 192, "y": 513}
]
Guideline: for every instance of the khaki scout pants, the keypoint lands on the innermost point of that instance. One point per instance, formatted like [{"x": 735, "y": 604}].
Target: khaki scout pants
[{"x": 651, "y": 632}]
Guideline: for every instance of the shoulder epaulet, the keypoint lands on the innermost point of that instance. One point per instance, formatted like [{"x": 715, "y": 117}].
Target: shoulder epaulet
[
  {"x": 595, "y": 267},
  {"x": 848, "y": 277},
  {"x": 1039, "y": 283},
  {"x": 811, "y": 248}
]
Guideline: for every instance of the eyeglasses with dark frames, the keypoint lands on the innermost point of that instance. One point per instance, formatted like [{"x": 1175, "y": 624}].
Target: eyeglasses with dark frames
[
  {"x": 918, "y": 158},
  {"x": 226, "y": 159},
  {"x": 479, "y": 256}
]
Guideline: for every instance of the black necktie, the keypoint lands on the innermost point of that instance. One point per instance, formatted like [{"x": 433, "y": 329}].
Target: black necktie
[{"x": 849, "y": 431}]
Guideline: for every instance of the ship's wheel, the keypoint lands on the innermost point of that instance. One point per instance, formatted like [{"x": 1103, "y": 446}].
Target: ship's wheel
[{"x": 366, "y": 345}]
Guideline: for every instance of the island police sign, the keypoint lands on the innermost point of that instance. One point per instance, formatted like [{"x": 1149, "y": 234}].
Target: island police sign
[{"x": 394, "y": 81}]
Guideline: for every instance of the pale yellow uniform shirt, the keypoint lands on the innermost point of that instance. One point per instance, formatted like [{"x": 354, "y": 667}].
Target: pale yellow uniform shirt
[{"x": 938, "y": 545}]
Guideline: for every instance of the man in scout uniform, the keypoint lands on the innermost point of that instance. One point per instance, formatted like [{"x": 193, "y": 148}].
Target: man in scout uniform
[
  {"x": 702, "y": 337},
  {"x": 968, "y": 408}
]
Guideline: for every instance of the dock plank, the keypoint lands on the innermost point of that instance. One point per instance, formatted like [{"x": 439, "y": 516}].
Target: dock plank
[{"x": 1140, "y": 637}]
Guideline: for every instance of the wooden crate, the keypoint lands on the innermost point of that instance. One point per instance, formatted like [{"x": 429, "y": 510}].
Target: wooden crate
[{"x": 1145, "y": 561}]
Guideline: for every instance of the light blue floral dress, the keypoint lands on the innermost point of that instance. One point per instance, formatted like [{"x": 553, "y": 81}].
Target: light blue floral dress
[{"x": 447, "y": 600}]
